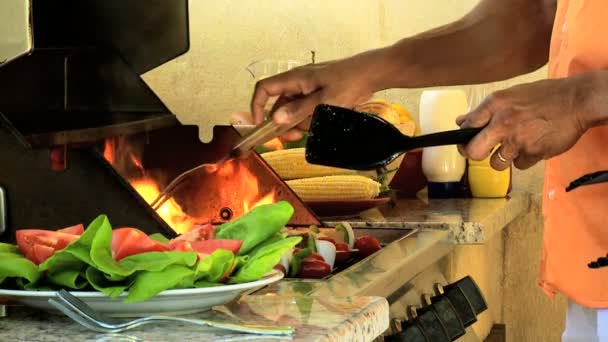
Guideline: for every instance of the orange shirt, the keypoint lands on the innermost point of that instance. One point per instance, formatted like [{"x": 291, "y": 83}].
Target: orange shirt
[{"x": 576, "y": 223}]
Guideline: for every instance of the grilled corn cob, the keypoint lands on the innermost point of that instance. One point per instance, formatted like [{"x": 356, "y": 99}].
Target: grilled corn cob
[
  {"x": 292, "y": 164},
  {"x": 342, "y": 187}
]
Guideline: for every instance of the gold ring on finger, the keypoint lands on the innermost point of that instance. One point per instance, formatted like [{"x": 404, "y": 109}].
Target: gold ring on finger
[{"x": 501, "y": 158}]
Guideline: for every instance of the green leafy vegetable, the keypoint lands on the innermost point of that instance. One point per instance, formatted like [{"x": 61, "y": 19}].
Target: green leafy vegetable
[
  {"x": 150, "y": 283},
  {"x": 8, "y": 248},
  {"x": 68, "y": 278},
  {"x": 13, "y": 265},
  {"x": 100, "y": 283},
  {"x": 88, "y": 261},
  {"x": 240, "y": 261},
  {"x": 79, "y": 249},
  {"x": 101, "y": 255},
  {"x": 214, "y": 267},
  {"x": 157, "y": 261},
  {"x": 257, "y": 226},
  {"x": 203, "y": 283},
  {"x": 274, "y": 238},
  {"x": 264, "y": 260}
]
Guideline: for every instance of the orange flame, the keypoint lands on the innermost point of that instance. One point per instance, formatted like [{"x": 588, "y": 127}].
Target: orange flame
[
  {"x": 248, "y": 184},
  {"x": 268, "y": 199},
  {"x": 108, "y": 150},
  {"x": 136, "y": 162},
  {"x": 170, "y": 211},
  {"x": 245, "y": 183}
]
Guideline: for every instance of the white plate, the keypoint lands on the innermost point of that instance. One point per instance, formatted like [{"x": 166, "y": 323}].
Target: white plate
[{"x": 170, "y": 302}]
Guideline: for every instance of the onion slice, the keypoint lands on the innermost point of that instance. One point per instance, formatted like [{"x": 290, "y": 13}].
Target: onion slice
[{"x": 327, "y": 250}]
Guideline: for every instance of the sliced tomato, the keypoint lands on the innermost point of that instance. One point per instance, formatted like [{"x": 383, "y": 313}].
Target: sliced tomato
[
  {"x": 185, "y": 246},
  {"x": 130, "y": 241},
  {"x": 182, "y": 246},
  {"x": 40, "y": 253},
  {"x": 204, "y": 232},
  {"x": 28, "y": 239},
  {"x": 209, "y": 246},
  {"x": 76, "y": 230}
]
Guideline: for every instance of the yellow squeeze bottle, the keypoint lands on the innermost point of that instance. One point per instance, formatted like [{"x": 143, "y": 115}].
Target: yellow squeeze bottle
[{"x": 485, "y": 182}]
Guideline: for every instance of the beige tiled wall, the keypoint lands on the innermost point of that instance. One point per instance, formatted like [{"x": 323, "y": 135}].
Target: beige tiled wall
[{"x": 207, "y": 84}]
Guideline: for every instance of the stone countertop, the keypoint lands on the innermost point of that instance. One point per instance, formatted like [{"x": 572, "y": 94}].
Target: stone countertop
[
  {"x": 315, "y": 319},
  {"x": 468, "y": 220}
]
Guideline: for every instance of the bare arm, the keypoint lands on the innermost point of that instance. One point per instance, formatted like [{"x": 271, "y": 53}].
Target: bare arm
[{"x": 496, "y": 40}]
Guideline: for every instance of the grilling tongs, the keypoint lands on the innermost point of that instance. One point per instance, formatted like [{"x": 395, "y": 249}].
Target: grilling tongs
[{"x": 261, "y": 134}]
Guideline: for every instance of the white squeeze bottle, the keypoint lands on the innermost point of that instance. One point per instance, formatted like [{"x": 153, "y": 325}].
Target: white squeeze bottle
[{"x": 443, "y": 166}]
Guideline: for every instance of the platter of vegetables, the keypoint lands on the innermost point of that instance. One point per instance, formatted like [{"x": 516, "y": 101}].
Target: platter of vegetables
[{"x": 125, "y": 272}]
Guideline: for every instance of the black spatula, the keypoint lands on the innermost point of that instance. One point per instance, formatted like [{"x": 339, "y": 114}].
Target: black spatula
[{"x": 345, "y": 138}]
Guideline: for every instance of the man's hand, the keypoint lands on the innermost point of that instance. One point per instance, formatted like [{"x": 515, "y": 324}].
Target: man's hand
[
  {"x": 343, "y": 83},
  {"x": 533, "y": 121}
]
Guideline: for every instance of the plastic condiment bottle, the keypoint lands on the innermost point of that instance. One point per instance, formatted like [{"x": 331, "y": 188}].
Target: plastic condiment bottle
[
  {"x": 485, "y": 182},
  {"x": 443, "y": 166}
]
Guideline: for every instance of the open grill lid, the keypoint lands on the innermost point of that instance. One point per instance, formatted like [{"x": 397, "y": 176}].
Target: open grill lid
[
  {"x": 80, "y": 80},
  {"x": 70, "y": 75}
]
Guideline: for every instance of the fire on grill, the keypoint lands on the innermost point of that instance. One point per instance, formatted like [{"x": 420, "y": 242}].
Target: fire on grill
[
  {"x": 122, "y": 156},
  {"x": 151, "y": 160}
]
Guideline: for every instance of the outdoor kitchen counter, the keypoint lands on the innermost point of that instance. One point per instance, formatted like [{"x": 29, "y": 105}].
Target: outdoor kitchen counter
[
  {"x": 468, "y": 220},
  {"x": 315, "y": 319}
]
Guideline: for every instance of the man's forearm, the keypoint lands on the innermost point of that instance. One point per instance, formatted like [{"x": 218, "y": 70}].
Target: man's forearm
[{"x": 497, "y": 40}]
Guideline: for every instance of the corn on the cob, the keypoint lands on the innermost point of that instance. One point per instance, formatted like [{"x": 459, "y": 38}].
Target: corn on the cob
[
  {"x": 292, "y": 164},
  {"x": 343, "y": 187}
]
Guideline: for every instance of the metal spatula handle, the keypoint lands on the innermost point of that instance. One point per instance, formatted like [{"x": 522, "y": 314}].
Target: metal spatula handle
[
  {"x": 455, "y": 137},
  {"x": 265, "y": 132}
]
